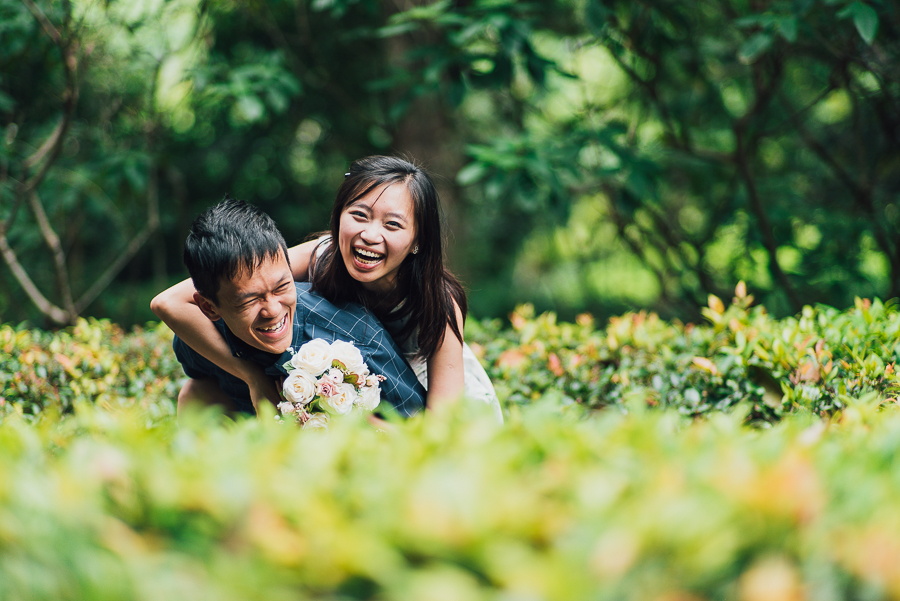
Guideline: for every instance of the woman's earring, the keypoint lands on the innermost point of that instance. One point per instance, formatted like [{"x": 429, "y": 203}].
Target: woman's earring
[{"x": 416, "y": 249}]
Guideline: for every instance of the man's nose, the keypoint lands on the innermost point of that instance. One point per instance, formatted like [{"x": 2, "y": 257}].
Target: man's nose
[{"x": 271, "y": 306}]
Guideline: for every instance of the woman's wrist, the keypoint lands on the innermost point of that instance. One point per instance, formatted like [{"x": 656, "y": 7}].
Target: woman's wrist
[{"x": 250, "y": 373}]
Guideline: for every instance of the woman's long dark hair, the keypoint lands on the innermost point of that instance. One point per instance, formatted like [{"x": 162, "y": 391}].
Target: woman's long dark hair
[{"x": 430, "y": 290}]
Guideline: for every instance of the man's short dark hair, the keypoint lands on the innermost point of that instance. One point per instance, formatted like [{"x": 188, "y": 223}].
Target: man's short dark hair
[{"x": 228, "y": 240}]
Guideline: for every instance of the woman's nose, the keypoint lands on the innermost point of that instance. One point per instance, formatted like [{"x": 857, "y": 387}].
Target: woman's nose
[{"x": 370, "y": 235}]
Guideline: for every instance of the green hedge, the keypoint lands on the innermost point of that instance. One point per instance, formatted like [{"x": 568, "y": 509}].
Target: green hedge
[
  {"x": 743, "y": 356},
  {"x": 104, "y": 496},
  {"x": 649, "y": 505},
  {"x": 94, "y": 361}
]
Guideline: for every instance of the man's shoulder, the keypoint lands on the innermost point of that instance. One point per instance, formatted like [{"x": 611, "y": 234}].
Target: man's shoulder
[{"x": 347, "y": 319}]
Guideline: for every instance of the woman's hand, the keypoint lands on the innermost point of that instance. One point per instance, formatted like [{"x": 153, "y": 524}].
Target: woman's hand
[{"x": 263, "y": 387}]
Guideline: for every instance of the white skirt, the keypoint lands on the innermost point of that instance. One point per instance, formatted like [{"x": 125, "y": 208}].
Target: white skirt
[{"x": 478, "y": 385}]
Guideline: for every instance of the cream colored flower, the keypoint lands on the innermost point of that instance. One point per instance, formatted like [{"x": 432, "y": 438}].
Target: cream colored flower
[
  {"x": 350, "y": 358},
  {"x": 335, "y": 375},
  {"x": 340, "y": 403},
  {"x": 316, "y": 421},
  {"x": 314, "y": 357},
  {"x": 369, "y": 396},
  {"x": 299, "y": 387},
  {"x": 286, "y": 407}
]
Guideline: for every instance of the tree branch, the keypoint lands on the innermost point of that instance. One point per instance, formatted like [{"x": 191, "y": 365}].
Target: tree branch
[
  {"x": 861, "y": 195},
  {"x": 639, "y": 251},
  {"x": 765, "y": 226},
  {"x": 50, "y": 149},
  {"x": 56, "y": 314},
  {"x": 102, "y": 282},
  {"x": 56, "y": 249},
  {"x": 50, "y": 310}
]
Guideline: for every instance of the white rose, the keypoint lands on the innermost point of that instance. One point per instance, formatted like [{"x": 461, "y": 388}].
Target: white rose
[
  {"x": 341, "y": 402},
  {"x": 316, "y": 421},
  {"x": 350, "y": 357},
  {"x": 314, "y": 357},
  {"x": 299, "y": 387},
  {"x": 369, "y": 396}
]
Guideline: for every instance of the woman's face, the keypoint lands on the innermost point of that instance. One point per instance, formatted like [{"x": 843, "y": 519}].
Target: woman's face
[{"x": 377, "y": 232}]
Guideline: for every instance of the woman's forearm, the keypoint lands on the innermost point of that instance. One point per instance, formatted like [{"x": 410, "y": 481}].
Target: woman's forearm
[
  {"x": 446, "y": 378},
  {"x": 175, "y": 306},
  {"x": 300, "y": 257}
]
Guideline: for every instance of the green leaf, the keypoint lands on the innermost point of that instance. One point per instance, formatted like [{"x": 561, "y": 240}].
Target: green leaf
[
  {"x": 7, "y": 104},
  {"x": 250, "y": 108},
  {"x": 755, "y": 47},
  {"x": 787, "y": 27},
  {"x": 596, "y": 16},
  {"x": 865, "y": 19},
  {"x": 470, "y": 174}
]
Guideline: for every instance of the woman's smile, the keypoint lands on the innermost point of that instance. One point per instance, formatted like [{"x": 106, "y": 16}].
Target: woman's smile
[{"x": 367, "y": 258}]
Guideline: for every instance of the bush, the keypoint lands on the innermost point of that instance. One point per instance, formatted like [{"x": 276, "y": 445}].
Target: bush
[
  {"x": 650, "y": 505},
  {"x": 95, "y": 361},
  {"x": 103, "y": 496},
  {"x": 814, "y": 361}
]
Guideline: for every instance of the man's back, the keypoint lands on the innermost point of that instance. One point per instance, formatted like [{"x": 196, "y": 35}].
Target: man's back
[{"x": 315, "y": 317}]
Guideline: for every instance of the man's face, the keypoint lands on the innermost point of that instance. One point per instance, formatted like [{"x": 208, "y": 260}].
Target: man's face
[{"x": 258, "y": 308}]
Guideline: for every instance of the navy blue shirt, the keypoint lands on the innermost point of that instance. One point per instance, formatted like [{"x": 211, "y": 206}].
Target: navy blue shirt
[{"x": 315, "y": 317}]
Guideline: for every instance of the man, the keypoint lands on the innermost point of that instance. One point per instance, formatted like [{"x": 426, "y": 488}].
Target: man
[{"x": 238, "y": 262}]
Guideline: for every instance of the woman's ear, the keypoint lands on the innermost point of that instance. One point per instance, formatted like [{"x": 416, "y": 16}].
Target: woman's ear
[{"x": 207, "y": 307}]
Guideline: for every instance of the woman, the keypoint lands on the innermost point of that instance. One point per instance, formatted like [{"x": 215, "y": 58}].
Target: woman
[{"x": 389, "y": 258}]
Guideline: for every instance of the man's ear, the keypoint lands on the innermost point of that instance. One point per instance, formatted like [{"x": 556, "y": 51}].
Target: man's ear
[{"x": 207, "y": 307}]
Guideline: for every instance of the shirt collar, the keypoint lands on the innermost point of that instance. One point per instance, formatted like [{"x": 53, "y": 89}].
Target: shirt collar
[{"x": 241, "y": 349}]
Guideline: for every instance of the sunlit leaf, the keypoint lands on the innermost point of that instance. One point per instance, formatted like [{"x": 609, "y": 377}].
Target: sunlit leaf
[
  {"x": 754, "y": 47},
  {"x": 864, "y": 18}
]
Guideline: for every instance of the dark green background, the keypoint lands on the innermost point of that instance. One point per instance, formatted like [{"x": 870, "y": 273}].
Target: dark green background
[{"x": 592, "y": 155}]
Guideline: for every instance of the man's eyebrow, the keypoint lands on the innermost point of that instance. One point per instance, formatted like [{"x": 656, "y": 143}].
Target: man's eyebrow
[{"x": 240, "y": 298}]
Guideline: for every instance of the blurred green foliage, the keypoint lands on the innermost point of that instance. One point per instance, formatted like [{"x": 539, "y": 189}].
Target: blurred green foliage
[
  {"x": 595, "y": 155},
  {"x": 721, "y": 141},
  {"x": 645, "y": 506},
  {"x": 665, "y": 493},
  {"x": 743, "y": 357}
]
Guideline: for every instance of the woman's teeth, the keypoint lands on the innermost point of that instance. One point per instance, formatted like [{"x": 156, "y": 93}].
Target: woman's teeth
[{"x": 366, "y": 256}]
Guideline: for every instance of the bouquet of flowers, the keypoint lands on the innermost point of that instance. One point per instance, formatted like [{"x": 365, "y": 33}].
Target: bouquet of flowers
[{"x": 327, "y": 379}]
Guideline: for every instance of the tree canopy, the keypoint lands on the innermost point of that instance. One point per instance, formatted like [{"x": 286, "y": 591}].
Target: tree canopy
[{"x": 591, "y": 155}]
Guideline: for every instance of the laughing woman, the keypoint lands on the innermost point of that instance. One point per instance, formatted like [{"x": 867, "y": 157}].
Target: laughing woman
[{"x": 384, "y": 251}]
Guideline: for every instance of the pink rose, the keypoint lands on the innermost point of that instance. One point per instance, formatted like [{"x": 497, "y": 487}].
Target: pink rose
[{"x": 326, "y": 387}]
